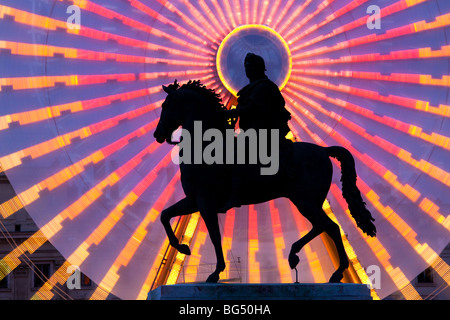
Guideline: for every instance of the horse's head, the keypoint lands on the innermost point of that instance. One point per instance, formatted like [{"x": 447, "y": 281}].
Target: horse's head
[
  {"x": 186, "y": 104},
  {"x": 171, "y": 115}
]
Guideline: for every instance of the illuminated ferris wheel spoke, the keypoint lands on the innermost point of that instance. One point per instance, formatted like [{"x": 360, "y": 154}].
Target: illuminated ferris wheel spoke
[
  {"x": 410, "y": 129},
  {"x": 413, "y": 28},
  {"x": 15, "y": 159},
  {"x": 30, "y": 195},
  {"x": 306, "y": 19},
  {"x": 112, "y": 277},
  {"x": 391, "y": 9},
  {"x": 281, "y": 16},
  {"x": 395, "y": 273},
  {"x": 409, "y": 54},
  {"x": 424, "y": 250},
  {"x": 384, "y": 173},
  {"x": 289, "y": 21},
  {"x": 55, "y": 111},
  {"x": 11, "y": 260},
  {"x": 107, "y": 13},
  {"x": 108, "y": 224}
]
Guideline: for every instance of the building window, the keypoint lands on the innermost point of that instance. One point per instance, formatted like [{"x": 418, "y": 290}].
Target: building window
[
  {"x": 426, "y": 277},
  {"x": 41, "y": 274},
  {"x": 85, "y": 281},
  {"x": 4, "y": 283}
]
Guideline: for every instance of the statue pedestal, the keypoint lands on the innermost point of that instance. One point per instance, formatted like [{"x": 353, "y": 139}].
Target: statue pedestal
[{"x": 262, "y": 291}]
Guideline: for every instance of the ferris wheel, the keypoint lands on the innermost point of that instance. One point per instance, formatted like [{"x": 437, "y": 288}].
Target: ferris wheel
[{"x": 80, "y": 97}]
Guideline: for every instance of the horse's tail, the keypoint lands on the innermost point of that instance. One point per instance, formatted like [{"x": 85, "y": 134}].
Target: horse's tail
[{"x": 350, "y": 191}]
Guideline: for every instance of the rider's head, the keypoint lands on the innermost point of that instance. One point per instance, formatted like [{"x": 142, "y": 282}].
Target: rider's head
[{"x": 254, "y": 66}]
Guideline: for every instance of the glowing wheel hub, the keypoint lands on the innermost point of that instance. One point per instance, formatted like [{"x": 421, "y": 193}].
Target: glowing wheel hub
[{"x": 260, "y": 40}]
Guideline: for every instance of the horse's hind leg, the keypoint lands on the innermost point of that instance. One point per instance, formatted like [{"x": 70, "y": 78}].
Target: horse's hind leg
[
  {"x": 320, "y": 222},
  {"x": 317, "y": 228},
  {"x": 181, "y": 208}
]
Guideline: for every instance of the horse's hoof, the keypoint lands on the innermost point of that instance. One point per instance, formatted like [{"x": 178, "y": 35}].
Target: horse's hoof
[
  {"x": 184, "y": 249},
  {"x": 293, "y": 260},
  {"x": 213, "y": 278},
  {"x": 336, "y": 277}
]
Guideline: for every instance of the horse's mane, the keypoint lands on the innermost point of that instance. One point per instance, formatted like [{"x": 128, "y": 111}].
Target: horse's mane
[{"x": 211, "y": 97}]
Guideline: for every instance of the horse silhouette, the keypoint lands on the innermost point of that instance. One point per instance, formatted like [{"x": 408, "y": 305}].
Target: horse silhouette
[{"x": 208, "y": 186}]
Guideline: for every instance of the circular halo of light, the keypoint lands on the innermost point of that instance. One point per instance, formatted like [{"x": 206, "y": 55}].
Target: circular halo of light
[{"x": 258, "y": 39}]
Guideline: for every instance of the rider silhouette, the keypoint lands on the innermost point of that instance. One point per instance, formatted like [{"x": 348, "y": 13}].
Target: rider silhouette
[{"x": 260, "y": 106}]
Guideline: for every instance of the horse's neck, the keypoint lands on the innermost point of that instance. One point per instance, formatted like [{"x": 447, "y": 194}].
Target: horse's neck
[{"x": 202, "y": 117}]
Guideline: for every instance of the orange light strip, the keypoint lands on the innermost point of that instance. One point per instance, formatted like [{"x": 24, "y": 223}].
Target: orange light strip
[
  {"x": 49, "y": 112},
  {"x": 202, "y": 21},
  {"x": 387, "y": 175},
  {"x": 237, "y": 6},
  {"x": 174, "y": 25},
  {"x": 420, "y": 53},
  {"x": 282, "y": 14},
  {"x": 262, "y": 15},
  {"x": 47, "y": 23},
  {"x": 27, "y": 49},
  {"x": 255, "y": 11},
  {"x": 195, "y": 25},
  {"x": 107, "y": 13},
  {"x": 14, "y": 159},
  {"x": 414, "y": 78},
  {"x": 11, "y": 260},
  {"x": 292, "y": 16},
  {"x": 440, "y": 22},
  {"x": 413, "y": 130},
  {"x": 110, "y": 279},
  {"x": 254, "y": 275},
  {"x": 336, "y": 14},
  {"x": 274, "y": 8},
  {"x": 101, "y": 231},
  {"x": 391, "y": 9},
  {"x": 308, "y": 17},
  {"x": 30, "y": 195},
  {"x": 283, "y": 267},
  {"x": 225, "y": 27},
  {"x": 424, "y": 106},
  {"x": 227, "y": 239},
  {"x": 230, "y": 13}
]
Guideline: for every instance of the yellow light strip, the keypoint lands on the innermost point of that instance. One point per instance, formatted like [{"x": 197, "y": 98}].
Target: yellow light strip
[
  {"x": 179, "y": 259},
  {"x": 110, "y": 279},
  {"x": 107, "y": 224},
  {"x": 254, "y": 273},
  {"x": 283, "y": 268}
]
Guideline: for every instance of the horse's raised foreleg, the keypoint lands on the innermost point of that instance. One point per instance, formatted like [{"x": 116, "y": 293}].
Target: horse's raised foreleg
[
  {"x": 212, "y": 224},
  {"x": 182, "y": 207}
]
